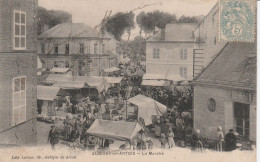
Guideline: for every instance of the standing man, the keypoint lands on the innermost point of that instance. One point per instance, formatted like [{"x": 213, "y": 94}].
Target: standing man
[
  {"x": 53, "y": 137},
  {"x": 230, "y": 140}
]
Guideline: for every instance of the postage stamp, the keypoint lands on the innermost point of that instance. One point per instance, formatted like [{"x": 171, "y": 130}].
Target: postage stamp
[{"x": 237, "y": 20}]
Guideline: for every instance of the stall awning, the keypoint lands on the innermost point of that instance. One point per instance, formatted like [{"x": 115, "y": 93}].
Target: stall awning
[
  {"x": 91, "y": 81},
  {"x": 156, "y": 83},
  {"x": 175, "y": 78},
  {"x": 69, "y": 85},
  {"x": 47, "y": 93},
  {"x": 60, "y": 70},
  {"x": 112, "y": 80},
  {"x": 147, "y": 107},
  {"x": 119, "y": 130},
  {"x": 112, "y": 69}
]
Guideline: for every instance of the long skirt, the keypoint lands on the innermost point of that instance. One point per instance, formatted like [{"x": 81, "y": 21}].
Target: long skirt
[{"x": 171, "y": 142}]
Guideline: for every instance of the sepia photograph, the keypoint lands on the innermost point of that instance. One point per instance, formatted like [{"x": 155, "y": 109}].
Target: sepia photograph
[{"x": 128, "y": 80}]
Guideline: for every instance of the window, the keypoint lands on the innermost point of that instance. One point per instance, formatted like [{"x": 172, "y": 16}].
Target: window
[
  {"x": 19, "y": 30},
  {"x": 211, "y": 104},
  {"x": 67, "y": 48},
  {"x": 42, "y": 47},
  {"x": 95, "y": 49},
  {"x": 56, "y": 48},
  {"x": 183, "y": 72},
  {"x": 156, "y": 53},
  {"x": 19, "y": 100},
  {"x": 81, "y": 48},
  {"x": 183, "y": 54},
  {"x": 103, "y": 48},
  {"x": 241, "y": 114},
  {"x": 67, "y": 64}
]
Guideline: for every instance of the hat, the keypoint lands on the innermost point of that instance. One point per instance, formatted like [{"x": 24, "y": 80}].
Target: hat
[
  {"x": 53, "y": 126},
  {"x": 219, "y": 128},
  {"x": 230, "y": 130}
]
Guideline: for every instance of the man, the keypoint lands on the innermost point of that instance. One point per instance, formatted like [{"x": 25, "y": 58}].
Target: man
[
  {"x": 230, "y": 140},
  {"x": 53, "y": 137},
  {"x": 196, "y": 141}
]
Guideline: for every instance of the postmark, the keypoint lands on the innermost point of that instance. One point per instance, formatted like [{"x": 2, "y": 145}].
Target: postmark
[{"x": 237, "y": 20}]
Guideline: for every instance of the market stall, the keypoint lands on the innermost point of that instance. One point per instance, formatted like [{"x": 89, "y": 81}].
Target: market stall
[
  {"x": 48, "y": 98},
  {"x": 118, "y": 130},
  {"x": 147, "y": 108}
]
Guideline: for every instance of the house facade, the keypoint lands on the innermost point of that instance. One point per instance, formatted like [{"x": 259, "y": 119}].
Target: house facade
[
  {"x": 77, "y": 46},
  {"x": 207, "y": 44},
  {"x": 18, "y": 64},
  {"x": 170, "y": 52},
  {"x": 225, "y": 82},
  {"x": 225, "y": 93}
]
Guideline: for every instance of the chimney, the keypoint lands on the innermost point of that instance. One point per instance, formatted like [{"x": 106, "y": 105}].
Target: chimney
[{"x": 162, "y": 33}]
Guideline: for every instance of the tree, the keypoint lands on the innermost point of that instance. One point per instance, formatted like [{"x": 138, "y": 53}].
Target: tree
[
  {"x": 150, "y": 20},
  {"x": 138, "y": 45},
  {"x": 51, "y": 18},
  {"x": 188, "y": 19},
  {"x": 120, "y": 23}
]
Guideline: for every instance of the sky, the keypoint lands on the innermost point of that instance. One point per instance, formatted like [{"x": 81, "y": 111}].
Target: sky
[{"x": 91, "y": 12}]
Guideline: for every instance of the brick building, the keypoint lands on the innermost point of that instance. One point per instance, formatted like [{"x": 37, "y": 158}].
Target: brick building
[
  {"x": 18, "y": 80},
  {"x": 170, "y": 52},
  {"x": 79, "y": 47}
]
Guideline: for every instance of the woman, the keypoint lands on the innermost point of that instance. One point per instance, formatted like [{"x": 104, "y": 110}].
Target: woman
[
  {"x": 170, "y": 138},
  {"x": 220, "y": 139}
]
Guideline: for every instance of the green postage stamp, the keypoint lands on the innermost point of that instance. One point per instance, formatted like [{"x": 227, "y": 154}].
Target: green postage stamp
[{"x": 237, "y": 20}]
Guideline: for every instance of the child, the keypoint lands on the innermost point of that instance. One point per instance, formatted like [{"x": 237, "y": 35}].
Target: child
[{"x": 163, "y": 141}]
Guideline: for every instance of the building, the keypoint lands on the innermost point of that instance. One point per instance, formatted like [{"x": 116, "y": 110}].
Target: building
[
  {"x": 225, "y": 93},
  {"x": 206, "y": 40},
  {"x": 170, "y": 52},
  {"x": 18, "y": 82},
  {"x": 225, "y": 82},
  {"x": 79, "y": 47}
]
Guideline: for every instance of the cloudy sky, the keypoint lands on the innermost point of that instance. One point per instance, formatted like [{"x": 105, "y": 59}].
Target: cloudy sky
[{"x": 91, "y": 12}]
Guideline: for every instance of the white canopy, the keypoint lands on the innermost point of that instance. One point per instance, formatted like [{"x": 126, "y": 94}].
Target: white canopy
[
  {"x": 147, "y": 107},
  {"x": 119, "y": 130},
  {"x": 175, "y": 78},
  {"x": 48, "y": 93},
  {"x": 156, "y": 83},
  {"x": 112, "y": 80},
  {"x": 112, "y": 69},
  {"x": 91, "y": 81},
  {"x": 60, "y": 70},
  {"x": 69, "y": 85}
]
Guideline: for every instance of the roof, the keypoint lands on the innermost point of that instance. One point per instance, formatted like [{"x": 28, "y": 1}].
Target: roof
[
  {"x": 47, "y": 93},
  {"x": 158, "y": 83},
  {"x": 147, "y": 107},
  {"x": 177, "y": 32},
  {"x": 67, "y": 30},
  {"x": 59, "y": 70},
  {"x": 175, "y": 78},
  {"x": 119, "y": 130},
  {"x": 235, "y": 65}
]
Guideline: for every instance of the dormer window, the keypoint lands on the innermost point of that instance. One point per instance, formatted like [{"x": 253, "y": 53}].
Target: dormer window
[{"x": 19, "y": 30}]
